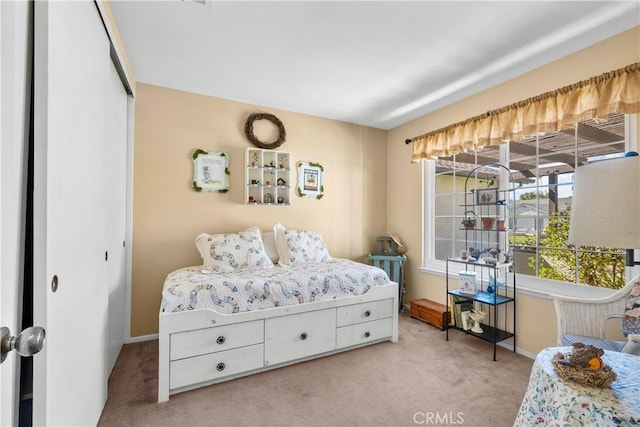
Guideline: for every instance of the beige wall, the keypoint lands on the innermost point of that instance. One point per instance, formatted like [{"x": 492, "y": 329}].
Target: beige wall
[
  {"x": 536, "y": 317},
  {"x": 168, "y": 214}
]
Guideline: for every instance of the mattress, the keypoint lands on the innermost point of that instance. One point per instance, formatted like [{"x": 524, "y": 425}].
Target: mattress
[{"x": 192, "y": 288}]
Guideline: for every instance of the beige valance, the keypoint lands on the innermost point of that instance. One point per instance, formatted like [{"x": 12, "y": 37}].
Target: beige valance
[{"x": 597, "y": 97}]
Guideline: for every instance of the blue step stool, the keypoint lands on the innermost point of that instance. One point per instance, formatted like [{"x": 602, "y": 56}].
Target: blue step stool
[{"x": 388, "y": 259}]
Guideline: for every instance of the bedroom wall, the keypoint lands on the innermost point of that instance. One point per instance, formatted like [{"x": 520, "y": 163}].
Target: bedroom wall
[
  {"x": 404, "y": 191},
  {"x": 168, "y": 214}
]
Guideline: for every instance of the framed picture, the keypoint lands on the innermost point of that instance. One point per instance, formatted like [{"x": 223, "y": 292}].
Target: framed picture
[
  {"x": 467, "y": 283},
  {"x": 210, "y": 171},
  {"x": 310, "y": 182},
  {"x": 487, "y": 196}
]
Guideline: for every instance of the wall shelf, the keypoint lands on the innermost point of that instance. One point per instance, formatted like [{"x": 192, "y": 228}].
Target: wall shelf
[{"x": 268, "y": 177}]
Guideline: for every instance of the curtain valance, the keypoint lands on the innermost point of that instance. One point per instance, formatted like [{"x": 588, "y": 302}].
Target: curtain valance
[{"x": 597, "y": 97}]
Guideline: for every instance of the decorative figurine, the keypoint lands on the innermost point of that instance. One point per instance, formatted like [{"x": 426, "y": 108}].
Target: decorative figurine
[{"x": 477, "y": 316}]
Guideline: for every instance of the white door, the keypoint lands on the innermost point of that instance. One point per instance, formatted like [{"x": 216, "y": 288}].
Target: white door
[
  {"x": 14, "y": 108},
  {"x": 74, "y": 83},
  {"x": 114, "y": 130}
]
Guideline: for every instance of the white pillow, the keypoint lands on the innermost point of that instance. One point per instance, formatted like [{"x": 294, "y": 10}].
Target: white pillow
[
  {"x": 299, "y": 246},
  {"x": 269, "y": 242},
  {"x": 223, "y": 253}
]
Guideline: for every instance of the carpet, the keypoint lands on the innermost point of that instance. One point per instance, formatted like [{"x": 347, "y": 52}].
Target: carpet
[{"x": 420, "y": 380}]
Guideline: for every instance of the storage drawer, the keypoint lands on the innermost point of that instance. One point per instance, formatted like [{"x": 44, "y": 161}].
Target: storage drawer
[
  {"x": 299, "y": 335},
  {"x": 220, "y": 338},
  {"x": 365, "y": 312},
  {"x": 361, "y": 333},
  {"x": 198, "y": 369}
]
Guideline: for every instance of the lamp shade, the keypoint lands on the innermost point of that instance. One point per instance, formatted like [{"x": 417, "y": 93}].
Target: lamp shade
[{"x": 605, "y": 210}]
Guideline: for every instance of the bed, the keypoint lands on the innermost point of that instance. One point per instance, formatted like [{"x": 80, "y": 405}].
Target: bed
[{"x": 261, "y": 301}]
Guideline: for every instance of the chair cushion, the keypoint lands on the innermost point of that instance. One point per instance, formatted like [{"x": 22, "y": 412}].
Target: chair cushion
[
  {"x": 631, "y": 319},
  {"x": 611, "y": 345},
  {"x": 632, "y": 347}
]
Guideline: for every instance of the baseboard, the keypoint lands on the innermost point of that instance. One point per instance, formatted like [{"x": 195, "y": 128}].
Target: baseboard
[
  {"x": 142, "y": 338},
  {"x": 518, "y": 350}
]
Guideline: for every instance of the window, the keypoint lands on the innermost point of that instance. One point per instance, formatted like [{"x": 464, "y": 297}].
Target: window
[{"x": 542, "y": 168}]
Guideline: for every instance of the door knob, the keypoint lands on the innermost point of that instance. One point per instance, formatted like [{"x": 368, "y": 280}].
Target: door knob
[{"x": 27, "y": 343}]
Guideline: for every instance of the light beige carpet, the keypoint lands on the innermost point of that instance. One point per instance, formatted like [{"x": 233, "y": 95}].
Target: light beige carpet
[{"x": 421, "y": 380}]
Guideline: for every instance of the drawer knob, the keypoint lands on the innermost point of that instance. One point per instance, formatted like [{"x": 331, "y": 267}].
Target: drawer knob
[
  {"x": 367, "y": 334},
  {"x": 220, "y": 367},
  {"x": 303, "y": 336},
  {"x": 221, "y": 339},
  {"x": 367, "y": 313}
]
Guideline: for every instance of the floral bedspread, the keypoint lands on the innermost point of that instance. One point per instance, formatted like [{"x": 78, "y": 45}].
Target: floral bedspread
[
  {"x": 552, "y": 401},
  {"x": 192, "y": 288}
]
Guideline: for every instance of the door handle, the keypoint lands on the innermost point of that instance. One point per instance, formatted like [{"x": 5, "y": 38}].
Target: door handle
[{"x": 27, "y": 343}]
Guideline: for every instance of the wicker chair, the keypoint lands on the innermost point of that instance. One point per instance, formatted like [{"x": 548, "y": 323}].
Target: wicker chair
[{"x": 583, "y": 320}]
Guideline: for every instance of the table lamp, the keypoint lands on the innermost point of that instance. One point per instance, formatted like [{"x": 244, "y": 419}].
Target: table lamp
[{"x": 605, "y": 209}]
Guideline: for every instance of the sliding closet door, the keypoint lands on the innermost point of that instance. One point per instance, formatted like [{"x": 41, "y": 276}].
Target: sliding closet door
[
  {"x": 115, "y": 155},
  {"x": 76, "y": 129}
]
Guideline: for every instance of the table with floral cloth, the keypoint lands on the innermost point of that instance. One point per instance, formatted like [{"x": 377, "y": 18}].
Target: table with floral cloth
[{"x": 553, "y": 401}]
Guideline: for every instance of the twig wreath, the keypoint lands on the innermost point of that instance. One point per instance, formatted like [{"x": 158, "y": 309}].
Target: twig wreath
[{"x": 248, "y": 130}]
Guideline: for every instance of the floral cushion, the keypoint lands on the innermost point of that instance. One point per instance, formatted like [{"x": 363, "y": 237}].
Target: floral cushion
[
  {"x": 299, "y": 246},
  {"x": 223, "y": 253},
  {"x": 631, "y": 319}
]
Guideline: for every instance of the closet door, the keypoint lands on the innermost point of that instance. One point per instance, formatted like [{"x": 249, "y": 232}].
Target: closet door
[
  {"x": 76, "y": 109},
  {"x": 15, "y": 85},
  {"x": 115, "y": 155}
]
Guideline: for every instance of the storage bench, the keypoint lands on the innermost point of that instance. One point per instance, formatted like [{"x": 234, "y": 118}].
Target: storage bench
[{"x": 431, "y": 312}]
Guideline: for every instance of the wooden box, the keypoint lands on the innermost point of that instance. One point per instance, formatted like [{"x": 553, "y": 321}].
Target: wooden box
[{"x": 431, "y": 312}]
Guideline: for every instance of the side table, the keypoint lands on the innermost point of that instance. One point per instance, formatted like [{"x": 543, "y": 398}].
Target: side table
[{"x": 551, "y": 400}]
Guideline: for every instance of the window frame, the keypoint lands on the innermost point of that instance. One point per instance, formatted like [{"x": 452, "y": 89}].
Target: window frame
[{"x": 525, "y": 284}]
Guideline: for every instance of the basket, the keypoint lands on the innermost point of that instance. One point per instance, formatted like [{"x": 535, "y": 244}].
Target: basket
[
  {"x": 584, "y": 376},
  {"x": 470, "y": 220}
]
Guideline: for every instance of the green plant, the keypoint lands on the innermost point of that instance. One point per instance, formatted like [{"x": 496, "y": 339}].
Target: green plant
[{"x": 602, "y": 267}]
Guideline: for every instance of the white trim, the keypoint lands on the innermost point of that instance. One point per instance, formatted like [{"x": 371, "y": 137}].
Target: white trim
[
  {"x": 141, "y": 338},
  {"x": 535, "y": 286},
  {"x": 129, "y": 218},
  {"x": 631, "y": 132},
  {"x": 428, "y": 197},
  {"x": 509, "y": 346}
]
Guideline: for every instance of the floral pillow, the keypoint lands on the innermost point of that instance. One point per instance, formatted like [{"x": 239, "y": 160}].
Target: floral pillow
[
  {"x": 269, "y": 242},
  {"x": 224, "y": 253},
  {"x": 299, "y": 246},
  {"x": 631, "y": 319}
]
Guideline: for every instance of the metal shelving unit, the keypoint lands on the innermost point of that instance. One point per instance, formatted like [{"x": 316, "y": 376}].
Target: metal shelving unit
[{"x": 488, "y": 260}]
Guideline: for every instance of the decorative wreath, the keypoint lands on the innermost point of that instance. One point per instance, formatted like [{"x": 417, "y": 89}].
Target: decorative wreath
[{"x": 248, "y": 130}]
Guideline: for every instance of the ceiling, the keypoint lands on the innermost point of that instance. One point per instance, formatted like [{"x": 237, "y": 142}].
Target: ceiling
[{"x": 378, "y": 64}]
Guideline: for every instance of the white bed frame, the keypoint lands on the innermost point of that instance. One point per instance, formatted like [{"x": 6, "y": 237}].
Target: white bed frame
[{"x": 203, "y": 347}]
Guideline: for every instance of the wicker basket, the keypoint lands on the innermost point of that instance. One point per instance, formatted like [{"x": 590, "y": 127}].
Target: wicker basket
[
  {"x": 602, "y": 377},
  {"x": 469, "y": 221}
]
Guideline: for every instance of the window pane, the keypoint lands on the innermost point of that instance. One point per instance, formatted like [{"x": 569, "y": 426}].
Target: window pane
[{"x": 543, "y": 169}]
